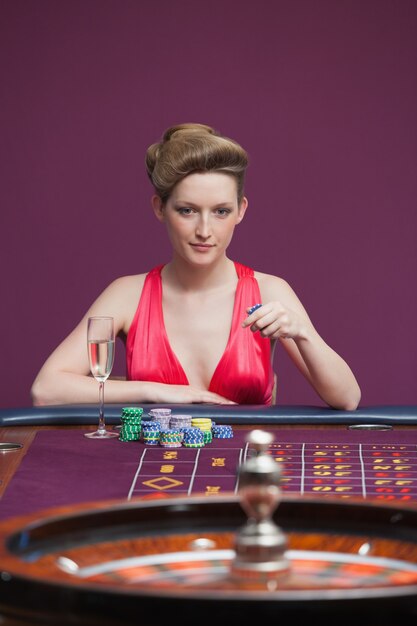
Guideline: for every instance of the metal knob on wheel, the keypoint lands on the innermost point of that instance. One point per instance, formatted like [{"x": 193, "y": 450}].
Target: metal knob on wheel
[{"x": 260, "y": 544}]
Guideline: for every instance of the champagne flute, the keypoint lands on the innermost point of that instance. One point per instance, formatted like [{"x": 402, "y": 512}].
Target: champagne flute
[{"x": 100, "y": 344}]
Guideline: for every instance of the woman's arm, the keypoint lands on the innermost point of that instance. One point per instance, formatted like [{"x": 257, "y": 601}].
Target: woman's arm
[
  {"x": 283, "y": 317},
  {"x": 58, "y": 387},
  {"x": 65, "y": 376}
]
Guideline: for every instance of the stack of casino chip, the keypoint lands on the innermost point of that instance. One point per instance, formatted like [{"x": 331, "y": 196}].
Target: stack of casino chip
[
  {"x": 131, "y": 424},
  {"x": 180, "y": 421},
  {"x": 205, "y": 425},
  {"x": 222, "y": 432},
  {"x": 193, "y": 437},
  {"x": 150, "y": 433},
  {"x": 131, "y": 412},
  {"x": 162, "y": 416},
  {"x": 208, "y": 436},
  {"x": 170, "y": 437}
]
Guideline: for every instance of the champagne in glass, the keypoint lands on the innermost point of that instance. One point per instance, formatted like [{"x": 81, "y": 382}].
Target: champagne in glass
[{"x": 100, "y": 344}]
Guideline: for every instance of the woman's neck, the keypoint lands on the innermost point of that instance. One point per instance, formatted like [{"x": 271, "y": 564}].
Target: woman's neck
[{"x": 188, "y": 278}]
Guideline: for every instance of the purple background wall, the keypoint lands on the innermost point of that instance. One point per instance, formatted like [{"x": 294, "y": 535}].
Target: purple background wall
[{"x": 322, "y": 93}]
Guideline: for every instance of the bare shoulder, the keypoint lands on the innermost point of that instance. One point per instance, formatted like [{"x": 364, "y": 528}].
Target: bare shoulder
[
  {"x": 120, "y": 299},
  {"x": 275, "y": 288},
  {"x": 272, "y": 287},
  {"x": 128, "y": 285},
  {"x": 128, "y": 288}
]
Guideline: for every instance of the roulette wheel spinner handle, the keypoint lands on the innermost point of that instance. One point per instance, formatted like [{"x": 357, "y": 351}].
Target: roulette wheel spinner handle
[{"x": 260, "y": 544}]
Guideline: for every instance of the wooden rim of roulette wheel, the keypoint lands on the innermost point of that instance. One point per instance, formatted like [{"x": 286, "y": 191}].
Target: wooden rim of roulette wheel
[{"x": 221, "y": 558}]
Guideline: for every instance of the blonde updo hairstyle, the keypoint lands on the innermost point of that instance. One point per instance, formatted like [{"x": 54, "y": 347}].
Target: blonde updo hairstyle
[{"x": 189, "y": 148}]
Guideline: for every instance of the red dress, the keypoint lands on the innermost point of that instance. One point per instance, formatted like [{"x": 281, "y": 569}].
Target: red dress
[{"x": 244, "y": 373}]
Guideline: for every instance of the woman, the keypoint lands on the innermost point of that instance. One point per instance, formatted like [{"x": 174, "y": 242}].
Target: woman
[{"x": 190, "y": 334}]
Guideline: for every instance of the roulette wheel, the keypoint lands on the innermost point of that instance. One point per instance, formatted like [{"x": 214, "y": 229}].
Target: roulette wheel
[{"x": 255, "y": 555}]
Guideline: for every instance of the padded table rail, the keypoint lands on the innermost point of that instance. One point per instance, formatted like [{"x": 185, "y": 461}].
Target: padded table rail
[{"x": 87, "y": 414}]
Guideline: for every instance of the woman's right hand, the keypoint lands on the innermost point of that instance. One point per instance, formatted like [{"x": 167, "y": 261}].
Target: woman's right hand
[{"x": 185, "y": 394}]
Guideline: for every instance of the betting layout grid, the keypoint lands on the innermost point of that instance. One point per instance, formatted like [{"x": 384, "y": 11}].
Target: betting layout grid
[
  {"x": 383, "y": 470},
  {"x": 386, "y": 469}
]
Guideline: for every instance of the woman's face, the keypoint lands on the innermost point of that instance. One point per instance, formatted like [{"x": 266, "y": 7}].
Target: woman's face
[{"x": 200, "y": 215}]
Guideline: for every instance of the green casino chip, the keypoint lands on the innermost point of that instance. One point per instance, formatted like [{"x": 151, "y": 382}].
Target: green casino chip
[{"x": 132, "y": 412}]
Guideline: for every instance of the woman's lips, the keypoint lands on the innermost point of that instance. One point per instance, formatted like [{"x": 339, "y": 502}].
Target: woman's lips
[{"x": 201, "y": 247}]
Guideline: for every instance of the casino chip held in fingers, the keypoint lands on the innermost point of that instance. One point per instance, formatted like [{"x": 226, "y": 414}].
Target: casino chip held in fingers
[{"x": 253, "y": 308}]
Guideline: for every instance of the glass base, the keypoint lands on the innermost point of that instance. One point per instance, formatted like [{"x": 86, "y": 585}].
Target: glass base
[{"x": 101, "y": 434}]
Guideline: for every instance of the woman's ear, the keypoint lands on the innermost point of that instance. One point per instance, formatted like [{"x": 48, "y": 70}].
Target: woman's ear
[
  {"x": 158, "y": 208},
  {"x": 242, "y": 210}
]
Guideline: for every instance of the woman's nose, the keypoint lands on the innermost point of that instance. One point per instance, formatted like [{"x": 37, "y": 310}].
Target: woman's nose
[{"x": 203, "y": 228}]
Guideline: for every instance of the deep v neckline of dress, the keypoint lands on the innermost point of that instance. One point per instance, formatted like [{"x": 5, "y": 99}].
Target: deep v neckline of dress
[{"x": 168, "y": 343}]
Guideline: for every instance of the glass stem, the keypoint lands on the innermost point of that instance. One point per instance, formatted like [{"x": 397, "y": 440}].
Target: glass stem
[{"x": 101, "y": 425}]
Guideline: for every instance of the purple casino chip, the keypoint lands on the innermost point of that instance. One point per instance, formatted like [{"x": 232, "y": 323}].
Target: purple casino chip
[{"x": 253, "y": 308}]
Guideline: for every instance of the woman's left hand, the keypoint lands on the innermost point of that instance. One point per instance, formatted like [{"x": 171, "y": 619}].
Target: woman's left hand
[
  {"x": 283, "y": 317},
  {"x": 275, "y": 321}
]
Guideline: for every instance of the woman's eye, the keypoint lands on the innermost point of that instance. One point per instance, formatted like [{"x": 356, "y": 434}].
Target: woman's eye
[
  {"x": 185, "y": 211},
  {"x": 223, "y": 212}
]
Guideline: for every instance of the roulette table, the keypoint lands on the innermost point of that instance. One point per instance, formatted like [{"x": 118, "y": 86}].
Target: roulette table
[{"x": 116, "y": 532}]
